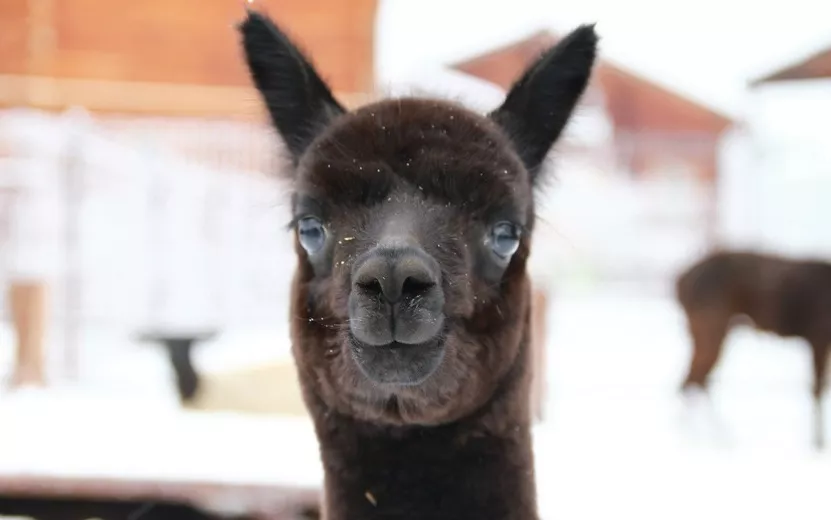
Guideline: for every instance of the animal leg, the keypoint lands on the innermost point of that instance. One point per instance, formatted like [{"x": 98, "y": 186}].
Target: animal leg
[
  {"x": 819, "y": 350},
  {"x": 708, "y": 330}
]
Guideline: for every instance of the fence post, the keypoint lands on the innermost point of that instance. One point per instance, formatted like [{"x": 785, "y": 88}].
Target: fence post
[
  {"x": 27, "y": 286},
  {"x": 72, "y": 168}
]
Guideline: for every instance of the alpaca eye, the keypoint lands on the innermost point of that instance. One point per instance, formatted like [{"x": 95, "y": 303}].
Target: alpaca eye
[
  {"x": 504, "y": 239},
  {"x": 312, "y": 234}
]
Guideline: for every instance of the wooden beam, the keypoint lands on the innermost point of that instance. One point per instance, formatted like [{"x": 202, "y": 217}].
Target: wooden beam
[
  {"x": 143, "y": 98},
  {"x": 41, "y": 41}
]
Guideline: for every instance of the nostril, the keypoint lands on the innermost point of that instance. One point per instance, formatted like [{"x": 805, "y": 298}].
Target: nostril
[
  {"x": 390, "y": 275},
  {"x": 415, "y": 287},
  {"x": 371, "y": 287}
]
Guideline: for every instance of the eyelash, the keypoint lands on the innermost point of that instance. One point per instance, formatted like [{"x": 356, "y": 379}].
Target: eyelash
[{"x": 292, "y": 223}]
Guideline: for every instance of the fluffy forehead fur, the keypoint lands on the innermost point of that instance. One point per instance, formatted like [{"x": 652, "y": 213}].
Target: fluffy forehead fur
[
  {"x": 438, "y": 149},
  {"x": 445, "y": 175}
]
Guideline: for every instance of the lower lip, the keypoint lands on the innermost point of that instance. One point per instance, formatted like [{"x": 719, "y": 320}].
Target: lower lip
[{"x": 433, "y": 355}]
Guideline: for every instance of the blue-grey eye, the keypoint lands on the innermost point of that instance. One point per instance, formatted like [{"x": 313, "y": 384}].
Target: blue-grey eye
[
  {"x": 504, "y": 239},
  {"x": 311, "y": 233}
]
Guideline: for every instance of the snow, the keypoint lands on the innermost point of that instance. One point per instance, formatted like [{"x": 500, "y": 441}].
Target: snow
[
  {"x": 616, "y": 440},
  {"x": 110, "y": 436}
]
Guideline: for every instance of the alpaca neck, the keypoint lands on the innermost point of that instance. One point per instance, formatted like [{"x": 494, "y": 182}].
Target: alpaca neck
[{"x": 480, "y": 467}]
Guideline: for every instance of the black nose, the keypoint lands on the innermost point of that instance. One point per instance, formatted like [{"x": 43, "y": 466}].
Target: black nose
[
  {"x": 396, "y": 297},
  {"x": 396, "y": 274}
]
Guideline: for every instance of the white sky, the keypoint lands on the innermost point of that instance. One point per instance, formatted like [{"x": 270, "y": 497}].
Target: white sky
[{"x": 706, "y": 49}]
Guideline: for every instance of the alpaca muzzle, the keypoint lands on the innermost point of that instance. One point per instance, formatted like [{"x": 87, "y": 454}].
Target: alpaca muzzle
[{"x": 396, "y": 314}]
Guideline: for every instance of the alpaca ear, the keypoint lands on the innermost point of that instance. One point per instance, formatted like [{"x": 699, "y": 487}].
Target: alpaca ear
[
  {"x": 540, "y": 103},
  {"x": 298, "y": 100}
]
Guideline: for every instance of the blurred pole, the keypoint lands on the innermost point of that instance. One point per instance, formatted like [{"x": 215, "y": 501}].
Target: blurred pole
[
  {"x": 157, "y": 205},
  {"x": 7, "y": 196},
  {"x": 27, "y": 305},
  {"x": 539, "y": 336},
  {"x": 712, "y": 206},
  {"x": 213, "y": 208},
  {"x": 73, "y": 198},
  {"x": 24, "y": 301},
  {"x": 712, "y": 233},
  {"x": 26, "y": 292}
]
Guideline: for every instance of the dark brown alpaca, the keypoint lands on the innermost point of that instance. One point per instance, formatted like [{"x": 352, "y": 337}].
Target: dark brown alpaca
[
  {"x": 410, "y": 304},
  {"x": 790, "y": 298}
]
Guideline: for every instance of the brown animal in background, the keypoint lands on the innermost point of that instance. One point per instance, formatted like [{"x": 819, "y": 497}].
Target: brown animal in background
[
  {"x": 411, "y": 303},
  {"x": 790, "y": 298}
]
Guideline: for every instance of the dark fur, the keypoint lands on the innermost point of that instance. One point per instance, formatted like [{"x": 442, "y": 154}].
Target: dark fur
[
  {"x": 790, "y": 298},
  {"x": 455, "y": 444}
]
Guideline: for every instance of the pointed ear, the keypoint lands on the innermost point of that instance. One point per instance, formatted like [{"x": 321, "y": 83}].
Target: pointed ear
[
  {"x": 540, "y": 103},
  {"x": 298, "y": 100}
]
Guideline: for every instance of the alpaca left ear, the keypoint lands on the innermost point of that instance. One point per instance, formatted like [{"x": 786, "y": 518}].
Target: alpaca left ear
[
  {"x": 298, "y": 100},
  {"x": 540, "y": 103}
]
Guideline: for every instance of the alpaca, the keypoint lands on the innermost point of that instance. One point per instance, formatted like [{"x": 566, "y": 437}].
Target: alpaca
[
  {"x": 410, "y": 316},
  {"x": 790, "y": 298}
]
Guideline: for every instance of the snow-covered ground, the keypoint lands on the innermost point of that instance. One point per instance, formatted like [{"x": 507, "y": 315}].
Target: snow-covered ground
[{"x": 616, "y": 441}]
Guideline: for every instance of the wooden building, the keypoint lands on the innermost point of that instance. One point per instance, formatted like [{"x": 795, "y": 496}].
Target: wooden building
[{"x": 167, "y": 58}]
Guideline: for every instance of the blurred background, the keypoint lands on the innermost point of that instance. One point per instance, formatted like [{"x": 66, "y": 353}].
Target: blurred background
[{"x": 139, "y": 204}]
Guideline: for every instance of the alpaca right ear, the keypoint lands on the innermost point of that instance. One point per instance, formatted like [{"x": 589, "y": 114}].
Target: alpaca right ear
[
  {"x": 298, "y": 100},
  {"x": 540, "y": 103}
]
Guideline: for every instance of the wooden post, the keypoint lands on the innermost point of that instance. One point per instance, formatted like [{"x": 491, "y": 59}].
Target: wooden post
[
  {"x": 27, "y": 303},
  {"x": 26, "y": 297},
  {"x": 72, "y": 175},
  {"x": 539, "y": 372}
]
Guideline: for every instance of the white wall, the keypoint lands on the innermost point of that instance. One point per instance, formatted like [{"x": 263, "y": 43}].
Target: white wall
[{"x": 777, "y": 180}]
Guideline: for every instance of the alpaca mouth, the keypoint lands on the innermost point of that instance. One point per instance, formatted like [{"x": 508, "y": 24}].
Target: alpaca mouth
[{"x": 399, "y": 364}]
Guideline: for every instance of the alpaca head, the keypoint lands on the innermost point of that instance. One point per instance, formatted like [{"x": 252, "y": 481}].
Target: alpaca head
[{"x": 412, "y": 221}]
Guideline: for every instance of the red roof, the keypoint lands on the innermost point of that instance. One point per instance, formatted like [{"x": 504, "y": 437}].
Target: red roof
[{"x": 815, "y": 66}]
